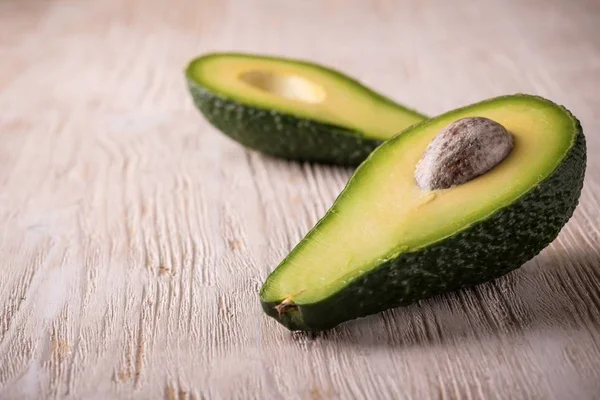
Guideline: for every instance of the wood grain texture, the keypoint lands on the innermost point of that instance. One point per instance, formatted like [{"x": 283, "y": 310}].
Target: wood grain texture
[{"x": 134, "y": 237}]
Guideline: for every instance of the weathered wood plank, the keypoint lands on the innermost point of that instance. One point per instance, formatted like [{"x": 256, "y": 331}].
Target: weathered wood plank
[{"x": 134, "y": 237}]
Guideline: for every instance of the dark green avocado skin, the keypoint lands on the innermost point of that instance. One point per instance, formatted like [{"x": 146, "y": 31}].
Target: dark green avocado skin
[
  {"x": 485, "y": 251},
  {"x": 281, "y": 135}
]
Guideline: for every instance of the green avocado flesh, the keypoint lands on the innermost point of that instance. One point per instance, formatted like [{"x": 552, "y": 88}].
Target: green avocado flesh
[
  {"x": 293, "y": 109},
  {"x": 385, "y": 242}
]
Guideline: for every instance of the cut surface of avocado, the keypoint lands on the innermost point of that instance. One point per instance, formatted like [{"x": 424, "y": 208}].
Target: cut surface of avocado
[
  {"x": 387, "y": 242},
  {"x": 293, "y": 109}
]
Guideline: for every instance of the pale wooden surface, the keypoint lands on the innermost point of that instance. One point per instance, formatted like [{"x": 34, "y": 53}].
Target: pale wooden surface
[{"x": 134, "y": 237}]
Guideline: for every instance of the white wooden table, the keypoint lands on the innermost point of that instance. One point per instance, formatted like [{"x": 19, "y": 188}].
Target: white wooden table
[{"x": 134, "y": 237}]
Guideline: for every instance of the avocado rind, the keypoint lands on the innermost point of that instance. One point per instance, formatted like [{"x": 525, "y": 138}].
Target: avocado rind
[{"x": 281, "y": 135}]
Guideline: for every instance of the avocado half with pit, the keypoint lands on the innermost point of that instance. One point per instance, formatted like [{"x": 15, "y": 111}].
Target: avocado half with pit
[
  {"x": 388, "y": 242},
  {"x": 293, "y": 109}
]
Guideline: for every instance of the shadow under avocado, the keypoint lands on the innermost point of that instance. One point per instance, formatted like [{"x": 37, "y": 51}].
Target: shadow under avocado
[{"x": 558, "y": 290}]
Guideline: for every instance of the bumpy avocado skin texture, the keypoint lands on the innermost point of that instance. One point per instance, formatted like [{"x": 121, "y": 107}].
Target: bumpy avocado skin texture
[
  {"x": 281, "y": 135},
  {"x": 485, "y": 251}
]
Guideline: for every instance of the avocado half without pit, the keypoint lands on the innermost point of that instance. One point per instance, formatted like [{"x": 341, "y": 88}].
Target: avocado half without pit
[
  {"x": 293, "y": 109},
  {"x": 451, "y": 202}
]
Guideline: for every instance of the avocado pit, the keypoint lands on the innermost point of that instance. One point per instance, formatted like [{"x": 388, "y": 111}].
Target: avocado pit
[{"x": 462, "y": 151}]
